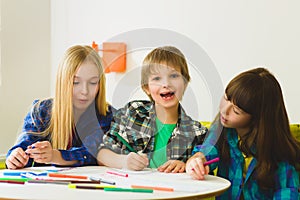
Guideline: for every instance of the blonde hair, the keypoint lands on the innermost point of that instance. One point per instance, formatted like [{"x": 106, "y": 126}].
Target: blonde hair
[
  {"x": 62, "y": 124},
  {"x": 169, "y": 55}
]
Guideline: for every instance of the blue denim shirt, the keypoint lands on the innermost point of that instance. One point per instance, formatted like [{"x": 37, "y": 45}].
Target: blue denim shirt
[{"x": 87, "y": 136}]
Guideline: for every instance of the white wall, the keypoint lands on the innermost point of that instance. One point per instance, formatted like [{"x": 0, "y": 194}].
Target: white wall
[
  {"x": 231, "y": 36},
  {"x": 236, "y": 35},
  {"x": 25, "y": 62}
]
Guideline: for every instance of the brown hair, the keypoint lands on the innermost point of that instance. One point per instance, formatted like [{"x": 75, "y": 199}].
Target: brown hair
[
  {"x": 169, "y": 55},
  {"x": 269, "y": 140}
]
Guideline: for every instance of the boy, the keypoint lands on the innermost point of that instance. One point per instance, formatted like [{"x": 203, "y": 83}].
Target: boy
[{"x": 157, "y": 133}]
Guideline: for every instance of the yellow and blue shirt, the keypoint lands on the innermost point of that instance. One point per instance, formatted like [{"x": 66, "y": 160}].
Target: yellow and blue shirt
[{"x": 286, "y": 178}]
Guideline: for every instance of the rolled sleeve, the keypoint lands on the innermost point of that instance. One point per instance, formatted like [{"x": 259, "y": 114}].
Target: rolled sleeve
[
  {"x": 80, "y": 154},
  {"x": 210, "y": 152}
]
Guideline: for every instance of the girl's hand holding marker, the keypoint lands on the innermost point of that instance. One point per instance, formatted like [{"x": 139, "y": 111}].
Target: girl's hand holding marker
[{"x": 200, "y": 168}]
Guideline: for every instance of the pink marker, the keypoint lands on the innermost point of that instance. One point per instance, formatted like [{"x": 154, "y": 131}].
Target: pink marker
[
  {"x": 211, "y": 161},
  {"x": 116, "y": 173}
]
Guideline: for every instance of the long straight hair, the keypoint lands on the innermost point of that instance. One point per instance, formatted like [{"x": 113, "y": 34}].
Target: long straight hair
[
  {"x": 62, "y": 125},
  {"x": 258, "y": 93}
]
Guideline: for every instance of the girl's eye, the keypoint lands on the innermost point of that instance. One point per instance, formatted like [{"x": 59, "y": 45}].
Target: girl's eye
[
  {"x": 174, "y": 75},
  {"x": 75, "y": 82},
  {"x": 236, "y": 111},
  {"x": 156, "y": 78},
  {"x": 94, "y": 83}
]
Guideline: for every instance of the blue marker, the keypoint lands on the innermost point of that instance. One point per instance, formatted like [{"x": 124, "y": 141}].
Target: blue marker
[{"x": 15, "y": 173}]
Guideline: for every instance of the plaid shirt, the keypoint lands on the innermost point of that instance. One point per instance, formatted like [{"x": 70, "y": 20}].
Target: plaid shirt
[
  {"x": 136, "y": 124},
  {"x": 86, "y": 139},
  {"x": 286, "y": 178}
]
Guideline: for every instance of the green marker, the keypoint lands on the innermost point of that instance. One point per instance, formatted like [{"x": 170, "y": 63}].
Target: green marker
[
  {"x": 14, "y": 179},
  {"x": 128, "y": 190},
  {"x": 125, "y": 142}
]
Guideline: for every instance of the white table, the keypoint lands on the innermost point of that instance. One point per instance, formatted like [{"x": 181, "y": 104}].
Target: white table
[{"x": 184, "y": 186}]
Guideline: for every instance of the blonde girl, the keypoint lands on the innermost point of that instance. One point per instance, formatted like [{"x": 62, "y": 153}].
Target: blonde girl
[{"x": 67, "y": 129}]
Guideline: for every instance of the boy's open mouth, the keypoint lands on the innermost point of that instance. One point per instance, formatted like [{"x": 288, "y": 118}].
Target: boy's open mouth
[{"x": 167, "y": 95}]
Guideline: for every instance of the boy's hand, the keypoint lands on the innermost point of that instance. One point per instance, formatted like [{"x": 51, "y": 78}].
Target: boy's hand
[
  {"x": 174, "y": 166},
  {"x": 135, "y": 161},
  {"x": 17, "y": 159},
  {"x": 41, "y": 152},
  {"x": 195, "y": 167}
]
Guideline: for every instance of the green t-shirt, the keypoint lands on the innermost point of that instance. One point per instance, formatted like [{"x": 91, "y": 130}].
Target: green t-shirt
[{"x": 164, "y": 132}]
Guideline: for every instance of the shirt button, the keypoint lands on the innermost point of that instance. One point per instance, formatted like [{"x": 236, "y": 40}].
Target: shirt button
[{"x": 84, "y": 157}]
